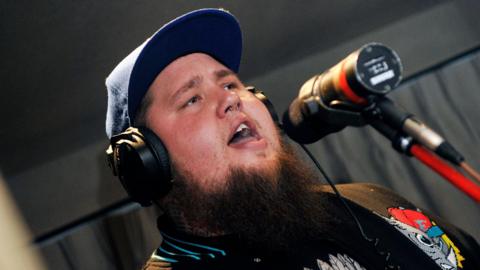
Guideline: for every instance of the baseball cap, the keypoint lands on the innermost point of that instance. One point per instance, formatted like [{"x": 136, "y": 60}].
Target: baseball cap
[{"x": 215, "y": 32}]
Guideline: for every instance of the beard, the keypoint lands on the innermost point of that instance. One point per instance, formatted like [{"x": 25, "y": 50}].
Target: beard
[{"x": 271, "y": 208}]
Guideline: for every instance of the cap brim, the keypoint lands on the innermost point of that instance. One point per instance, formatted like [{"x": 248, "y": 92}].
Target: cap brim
[{"x": 211, "y": 31}]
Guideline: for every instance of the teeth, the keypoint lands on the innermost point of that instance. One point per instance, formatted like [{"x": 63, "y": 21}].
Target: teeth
[
  {"x": 242, "y": 126},
  {"x": 242, "y": 132}
]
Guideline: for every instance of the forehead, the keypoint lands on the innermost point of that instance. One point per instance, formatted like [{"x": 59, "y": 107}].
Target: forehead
[
  {"x": 190, "y": 61},
  {"x": 184, "y": 68}
]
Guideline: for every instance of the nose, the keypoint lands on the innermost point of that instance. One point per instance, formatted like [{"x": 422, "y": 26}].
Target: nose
[{"x": 229, "y": 102}]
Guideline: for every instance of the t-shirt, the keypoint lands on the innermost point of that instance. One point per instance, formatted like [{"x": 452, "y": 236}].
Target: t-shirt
[{"x": 400, "y": 236}]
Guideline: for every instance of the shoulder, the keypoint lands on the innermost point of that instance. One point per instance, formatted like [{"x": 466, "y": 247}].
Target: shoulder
[
  {"x": 371, "y": 196},
  {"x": 444, "y": 238},
  {"x": 366, "y": 191}
]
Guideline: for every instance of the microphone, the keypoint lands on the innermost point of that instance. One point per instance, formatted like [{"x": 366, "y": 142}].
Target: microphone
[{"x": 330, "y": 101}]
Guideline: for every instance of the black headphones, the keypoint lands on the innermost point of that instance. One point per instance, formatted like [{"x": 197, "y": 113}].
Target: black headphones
[{"x": 141, "y": 162}]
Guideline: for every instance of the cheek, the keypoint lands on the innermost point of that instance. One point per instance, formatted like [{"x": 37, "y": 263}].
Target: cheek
[
  {"x": 194, "y": 142},
  {"x": 201, "y": 156},
  {"x": 195, "y": 146},
  {"x": 265, "y": 121}
]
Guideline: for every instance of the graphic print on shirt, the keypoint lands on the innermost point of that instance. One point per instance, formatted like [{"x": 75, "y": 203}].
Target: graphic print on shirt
[
  {"x": 174, "y": 250},
  {"x": 429, "y": 237},
  {"x": 338, "y": 262}
]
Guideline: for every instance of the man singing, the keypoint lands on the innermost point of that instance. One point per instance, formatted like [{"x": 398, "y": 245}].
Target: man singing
[{"x": 234, "y": 193}]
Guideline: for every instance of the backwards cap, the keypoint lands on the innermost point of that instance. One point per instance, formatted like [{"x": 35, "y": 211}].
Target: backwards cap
[{"x": 215, "y": 32}]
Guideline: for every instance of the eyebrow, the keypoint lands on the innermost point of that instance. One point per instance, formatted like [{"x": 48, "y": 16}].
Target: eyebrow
[
  {"x": 219, "y": 74},
  {"x": 185, "y": 87}
]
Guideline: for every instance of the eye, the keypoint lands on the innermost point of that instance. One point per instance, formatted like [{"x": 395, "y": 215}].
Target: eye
[
  {"x": 230, "y": 86},
  {"x": 192, "y": 101}
]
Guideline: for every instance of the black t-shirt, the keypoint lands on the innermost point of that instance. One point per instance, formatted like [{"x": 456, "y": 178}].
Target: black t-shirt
[{"x": 400, "y": 237}]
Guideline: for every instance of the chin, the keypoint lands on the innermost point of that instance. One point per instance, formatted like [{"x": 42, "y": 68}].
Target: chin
[{"x": 258, "y": 162}]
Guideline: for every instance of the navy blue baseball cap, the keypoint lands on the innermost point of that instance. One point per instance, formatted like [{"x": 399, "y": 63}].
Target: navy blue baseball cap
[{"x": 215, "y": 32}]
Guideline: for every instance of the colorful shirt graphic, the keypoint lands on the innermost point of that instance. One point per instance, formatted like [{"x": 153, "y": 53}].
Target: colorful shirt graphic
[
  {"x": 427, "y": 236},
  {"x": 339, "y": 262}
]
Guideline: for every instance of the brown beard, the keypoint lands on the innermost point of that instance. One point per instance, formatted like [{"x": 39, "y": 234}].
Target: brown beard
[{"x": 260, "y": 207}]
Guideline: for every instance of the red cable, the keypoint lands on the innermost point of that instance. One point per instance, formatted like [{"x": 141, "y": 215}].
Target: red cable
[{"x": 442, "y": 168}]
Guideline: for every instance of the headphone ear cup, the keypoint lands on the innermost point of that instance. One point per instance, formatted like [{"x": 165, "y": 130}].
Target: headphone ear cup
[
  {"x": 141, "y": 162},
  {"x": 262, "y": 97},
  {"x": 160, "y": 152}
]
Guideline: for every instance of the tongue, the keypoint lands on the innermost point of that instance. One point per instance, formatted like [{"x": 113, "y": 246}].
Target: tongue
[{"x": 241, "y": 136}]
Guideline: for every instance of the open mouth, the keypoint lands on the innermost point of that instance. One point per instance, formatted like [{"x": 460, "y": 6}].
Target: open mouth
[{"x": 243, "y": 133}]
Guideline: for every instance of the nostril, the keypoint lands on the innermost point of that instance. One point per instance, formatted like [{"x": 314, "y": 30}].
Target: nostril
[{"x": 234, "y": 107}]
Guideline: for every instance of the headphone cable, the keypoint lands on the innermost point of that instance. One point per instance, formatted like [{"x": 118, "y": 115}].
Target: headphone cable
[{"x": 375, "y": 241}]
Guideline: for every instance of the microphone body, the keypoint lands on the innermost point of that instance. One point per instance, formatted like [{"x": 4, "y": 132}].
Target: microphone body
[{"x": 334, "y": 99}]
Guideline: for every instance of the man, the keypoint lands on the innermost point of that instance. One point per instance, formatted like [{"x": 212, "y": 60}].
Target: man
[{"x": 239, "y": 196}]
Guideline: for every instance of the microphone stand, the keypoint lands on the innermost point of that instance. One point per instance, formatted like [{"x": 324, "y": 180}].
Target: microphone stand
[{"x": 384, "y": 117}]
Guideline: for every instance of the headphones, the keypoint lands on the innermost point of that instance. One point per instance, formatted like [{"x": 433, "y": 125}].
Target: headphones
[{"x": 141, "y": 161}]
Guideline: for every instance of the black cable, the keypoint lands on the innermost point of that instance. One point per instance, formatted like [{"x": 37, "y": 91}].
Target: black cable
[
  {"x": 375, "y": 241},
  {"x": 337, "y": 193}
]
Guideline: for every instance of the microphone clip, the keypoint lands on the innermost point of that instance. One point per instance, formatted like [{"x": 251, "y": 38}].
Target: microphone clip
[{"x": 337, "y": 113}]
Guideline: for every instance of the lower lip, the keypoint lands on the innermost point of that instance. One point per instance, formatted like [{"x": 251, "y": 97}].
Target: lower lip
[{"x": 252, "y": 144}]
